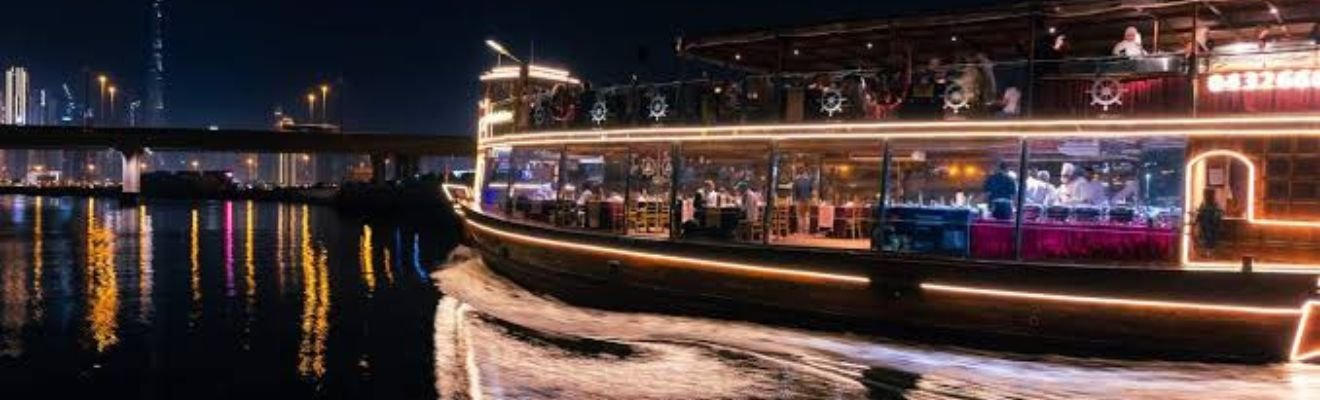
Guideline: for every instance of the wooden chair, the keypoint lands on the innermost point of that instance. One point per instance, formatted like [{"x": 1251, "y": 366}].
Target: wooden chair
[
  {"x": 751, "y": 231},
  {"x": 779, "y": 220},
  {"x": 637, "y": 218}
]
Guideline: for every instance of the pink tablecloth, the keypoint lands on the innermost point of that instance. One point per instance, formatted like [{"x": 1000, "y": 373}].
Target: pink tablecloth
[{"x": 1069, "y": 242}]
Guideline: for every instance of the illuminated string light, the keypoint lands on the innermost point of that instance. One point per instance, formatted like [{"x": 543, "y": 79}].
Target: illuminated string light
[
  {"x": 1113, "y": 301},
  {"x": 1255, "y": 81},
  {"x": 881, "y": 130},
  {"x": 533, "y": 71},
  {"x": 1300, "y": 336},
  {"x": 699, "y": 262},
  {"x": 1251, "y": 218}
]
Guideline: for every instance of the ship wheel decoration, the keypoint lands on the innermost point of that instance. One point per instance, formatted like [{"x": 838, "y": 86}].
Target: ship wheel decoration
[
  {"x": 658, "y": 109},
  {"x": 541, "y": 114},
  {"x": 956, "y": 98},
  {"x": 1107, "y": 92},
  {"x": 599, "y": 112},
  {"x": 832, "y": 101}
]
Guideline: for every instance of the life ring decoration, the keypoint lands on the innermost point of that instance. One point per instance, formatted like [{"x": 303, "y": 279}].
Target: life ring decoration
[
  {"x": 1106, "y": 93},
  {"x": 541, "y": 112},
  {"x": 658, "y": 109},
  {"x": 956, "y": 98},
  {"x": 600, "y": 112},
  {"x": 832, "y": 101}
]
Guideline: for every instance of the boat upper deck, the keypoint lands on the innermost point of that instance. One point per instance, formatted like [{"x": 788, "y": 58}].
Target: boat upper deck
[{"x": 1035, "y": 61}]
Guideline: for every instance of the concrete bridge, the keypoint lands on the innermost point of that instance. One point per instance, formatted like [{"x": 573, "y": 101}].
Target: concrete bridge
[{"x": 402, "y": 150}]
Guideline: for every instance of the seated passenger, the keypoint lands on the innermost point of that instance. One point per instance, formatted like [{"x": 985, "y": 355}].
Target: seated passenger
[{"x": 1130, "y": 46}]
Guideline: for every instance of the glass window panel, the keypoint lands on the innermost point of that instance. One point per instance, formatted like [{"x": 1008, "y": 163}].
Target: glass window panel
[
  {"x": 595, "y": 179},
  {"x": 1110, "y": 201},
  {"x": 952, "y": 197},
  {"x": 496, "y": 174},
  {"x": 722, "y": 189},
  {"x": 537, "y": 183},
  {"x": 650, "y": 174},
  {"x": 826, "y": 194}
]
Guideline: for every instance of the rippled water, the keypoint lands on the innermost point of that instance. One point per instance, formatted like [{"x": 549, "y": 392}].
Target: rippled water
[
  {"x": 213, "y": 300},
  {"x": 230, "y": 299}
]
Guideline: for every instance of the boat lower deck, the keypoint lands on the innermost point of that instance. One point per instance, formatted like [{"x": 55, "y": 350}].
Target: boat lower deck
[{"x": 1115, "y": 311}]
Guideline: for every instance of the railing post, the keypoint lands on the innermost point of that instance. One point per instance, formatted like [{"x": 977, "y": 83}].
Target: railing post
[
  {"x": 675, "y": 204},
  {"x": 1030, "y": 108},
  {"x": 627, "y": 188},
  {"x": 1021, "y": 198},
  {"x": 878, "y": 240},
  {"x": 770, "y": 192},
  {"x": 1194, "y": 67}
]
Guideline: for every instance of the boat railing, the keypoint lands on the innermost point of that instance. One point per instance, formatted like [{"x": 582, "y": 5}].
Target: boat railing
[{"x": 1078, "y": 87}]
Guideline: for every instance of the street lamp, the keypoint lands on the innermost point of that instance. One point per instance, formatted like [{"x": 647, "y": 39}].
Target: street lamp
[
  {"x": 501, "y": 50},
  {"x": 100, "y": 101},
  {"x": 325, "y": 103},
  {"x": 311, "y": 107},
  {"x": 196, "y": 165},
  {"x": 519, "y": 87},
  {"x": 110, "y": 114}
]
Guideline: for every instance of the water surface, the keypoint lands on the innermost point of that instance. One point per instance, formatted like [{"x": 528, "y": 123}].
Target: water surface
[{"x": 265, "y": 300}]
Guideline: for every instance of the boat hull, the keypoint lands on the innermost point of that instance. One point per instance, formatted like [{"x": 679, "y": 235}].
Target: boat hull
[{"x": 1109, "y": 312}]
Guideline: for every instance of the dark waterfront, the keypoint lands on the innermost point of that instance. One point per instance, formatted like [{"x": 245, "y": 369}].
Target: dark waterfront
[{"x": 265, "y": 300}]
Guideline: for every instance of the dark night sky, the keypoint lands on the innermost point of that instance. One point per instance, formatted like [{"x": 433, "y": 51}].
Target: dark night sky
[{"x": 408, "y": 65}]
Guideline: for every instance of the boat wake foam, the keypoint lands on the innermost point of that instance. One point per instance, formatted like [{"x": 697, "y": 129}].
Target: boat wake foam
[{"x": 495, "y": 339}]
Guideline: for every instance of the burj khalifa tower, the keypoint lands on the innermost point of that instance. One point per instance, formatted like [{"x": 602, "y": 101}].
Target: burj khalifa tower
[{"x": 156, "y": 115}]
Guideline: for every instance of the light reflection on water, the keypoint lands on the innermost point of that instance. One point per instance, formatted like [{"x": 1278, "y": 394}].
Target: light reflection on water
[
  {"x": 212, "y": 300},
  {"x": 496, "y": 340},
  {"x": 243, "y": 299}
]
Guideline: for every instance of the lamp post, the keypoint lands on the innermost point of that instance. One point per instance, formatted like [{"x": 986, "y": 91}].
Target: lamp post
[
  {"x": 100, "y": 101},
  {"x": 311, "y": 107},
  {"x": 110, "y": 113},
  {"x": 520, "y": 86},
  {"x": 325, "y": 103}
]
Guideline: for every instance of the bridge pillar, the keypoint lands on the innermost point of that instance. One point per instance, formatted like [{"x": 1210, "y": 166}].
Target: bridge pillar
[
  {"x": 406, "y": 166},
  {"x": 379, "y": 168},
  {"x": 132, "y": 171}
]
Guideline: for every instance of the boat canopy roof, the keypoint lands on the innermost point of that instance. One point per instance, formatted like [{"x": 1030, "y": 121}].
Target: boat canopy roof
[{"x": 1002, "y": 33}]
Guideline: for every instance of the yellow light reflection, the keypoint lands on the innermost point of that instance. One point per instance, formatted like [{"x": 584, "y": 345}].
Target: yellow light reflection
[
  {"x": 145, "y": 272},
  {"x": 249, "y": 265},
  {"x": 14, "y": 297},
  {"x": 316, "y": 305},
  {"x": 249, "y": 271},
  {"x": 102, "y": 283},
  {"x": 366, "y": 251},
  {"x": 38, "y": 261}
]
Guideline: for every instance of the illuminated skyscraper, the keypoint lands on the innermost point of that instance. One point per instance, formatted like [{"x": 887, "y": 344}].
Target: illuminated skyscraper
[
  {"x": 16, "y": 97},
  {"x": 156, "y": 115}
]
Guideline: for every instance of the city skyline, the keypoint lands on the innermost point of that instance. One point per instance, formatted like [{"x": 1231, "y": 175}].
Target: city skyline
[{"x": 405, "y": 67}]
